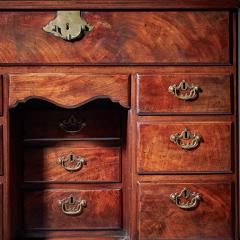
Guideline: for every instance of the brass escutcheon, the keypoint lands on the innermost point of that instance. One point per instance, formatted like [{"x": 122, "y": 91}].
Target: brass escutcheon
[{"x": 185, "y": 193}]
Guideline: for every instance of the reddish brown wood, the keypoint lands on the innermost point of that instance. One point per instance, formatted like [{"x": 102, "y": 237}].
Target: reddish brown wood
[
  {"x": 102, "y": 163},
  {"x": 160, "y": 218},
  {"x": 1, "y": 211},
  {"x": 1, "y": 95},
  {"x": 157, "y": 154},
  {"x": 200, "y": 37},
  {"x": 45, "y": 124},
  {"x": 215, "y": 94},
  {"x": 69, "y": 90},
  {"x": 1, "y": 149},
  {"x": 42, "y": 210}
]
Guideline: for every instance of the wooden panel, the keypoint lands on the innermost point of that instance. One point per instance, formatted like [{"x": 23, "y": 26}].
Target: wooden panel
[
  {"x": 46, "y": 124},
  {"x": 1, "y": 150},
  {"x": 1, "y": 95},
  {"x": 157, "y": 154},
  {"x": 1, "y": 211},
  {"x": 102, "y": 163},
  {"x": 69, "y": 90},
  {"x": 120, "y": 37},
  {"x": 214, "y": 96},
  {"x": 118, "y": 4},
  {"x": 160, "y": 218},
  {"x": 42, "y": 210}
]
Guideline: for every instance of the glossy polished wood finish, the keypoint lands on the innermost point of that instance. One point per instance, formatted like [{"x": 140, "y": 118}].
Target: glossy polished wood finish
[
  {"x": 46, "y": 124},
  {"x": 215, "y": 94},
  {"x": 69, "y": 90},
  {"x": 201, "y": 37},
  {"x": 42, "y": 210},
  {"x": 160, "y": 218},
  {"x": 157, "y": 154},
  {"x": 102, "y": 163}
]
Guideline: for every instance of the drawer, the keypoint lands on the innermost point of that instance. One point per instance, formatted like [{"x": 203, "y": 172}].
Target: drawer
[
  {"x": 170, "y": 147},
  {"x": 1, "y": 95},
  {"x": 185, "y": 211},
  {"x": 120, "y": 37},
  {"x": 86, "y": 124},
  {"x": 1, "y": 149},
  {"x": 184, "y": 93},
  {"x": 1, "y": 211},
  {"x": 69, "y": 162},
  {"x": 77, "y": 209},
  {"x": 69, "y": 90}
]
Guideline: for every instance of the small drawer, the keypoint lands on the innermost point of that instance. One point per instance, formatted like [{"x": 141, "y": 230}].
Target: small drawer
[
  {"x": 170, "y": 147},
  {"x": 184, "y": 93},
  {"x": 69, "y": 162},
  {"x": 72, "y": 124},
  {"x": 77, "y": 209},
  {"x": 185, "y": 211}
]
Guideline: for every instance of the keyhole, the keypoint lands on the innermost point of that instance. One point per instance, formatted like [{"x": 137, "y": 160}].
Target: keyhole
[
  {"x": 67, "y": 26},
  {"x": 184, "y": 86},
  {"x": 71, "y": 200},
  {"x": 71, "y": 157}
]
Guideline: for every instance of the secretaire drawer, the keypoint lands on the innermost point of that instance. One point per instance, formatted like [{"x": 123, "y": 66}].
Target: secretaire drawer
[
  {"x": 118, "y": 37},
  {"x": 184, "y": 93},
  {"x": 185, "y": 211},
  {"x": 77, "y": 209},
  {"x": 86, "y": 124},
  {"x": 184, "y": 147},
  {"x": 71, "y": 162}
]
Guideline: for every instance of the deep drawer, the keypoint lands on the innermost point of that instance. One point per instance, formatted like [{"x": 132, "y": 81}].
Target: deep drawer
[
  {"x": 120, "y": 37},
  {"x": 159, "y": 152},
  {"x": 184, "y": 93},
  {"x": 177, "y": 217},
  {"x": 70, "y": 162},
  {"x": 55, "y": 210},
  {"x": 86, "y": 124}
]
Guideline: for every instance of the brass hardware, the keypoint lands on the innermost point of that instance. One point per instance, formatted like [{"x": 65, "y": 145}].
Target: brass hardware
[
  {"x": 185, "y": 193},
  {"x": 72, "y": 207},
  {"x": 68, "y": 25},
  {"x": 72, "y": 125},
  {"x": 184, "y": 86},
  {"x": 186, "y": 135},
  {"x": 68, "y": 160}
]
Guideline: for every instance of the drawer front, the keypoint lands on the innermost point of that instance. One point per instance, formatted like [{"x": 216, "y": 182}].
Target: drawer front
[
  {"x": 50, "y": 210},
  {"x": 163, "y": 217},
  {"x": 1, "y": 211},
  {"x": 184, "y": 93},
  {"x": 1, "y": 150},
  {"x": 72, "y": 124},
  {"x": 69, "y": 162},
  {"x": 69, "y": 90},
  {"x": 1, "y": 95},
  {"x": 159, "y": 153},
  {"x": 167, "y": 37}
]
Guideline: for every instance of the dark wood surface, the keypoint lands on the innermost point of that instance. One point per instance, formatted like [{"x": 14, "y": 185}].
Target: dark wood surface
[
  {"x": 201, "y": 37},
  {"x": 1, "y": 149},
  {"x": 41, "y": 124},
  {"x": 69, "y": 90},
  {"x": 103, "y": 211},
  {"x": 160, "y": 218},
  {"x": 119, "y": 4},
  {"x": 157, "y": 154},
  {"x": 215, "y": 95},
  {"x": 103, "y": 164}
]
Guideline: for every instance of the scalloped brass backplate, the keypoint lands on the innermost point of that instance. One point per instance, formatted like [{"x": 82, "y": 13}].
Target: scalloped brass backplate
[{"x": 68, "y": 25}]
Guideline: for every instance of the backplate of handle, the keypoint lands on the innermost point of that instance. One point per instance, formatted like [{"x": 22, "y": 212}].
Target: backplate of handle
[
  {"x": 184, "y": 91},
  {"x": 72, "y": 162},
  {"x": 71, "y": 206},
  {"x": 194, "y": 199},
  {"x": 178, "y": 138}
]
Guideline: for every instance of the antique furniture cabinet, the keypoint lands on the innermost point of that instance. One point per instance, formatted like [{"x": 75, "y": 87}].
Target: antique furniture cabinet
[{"x": 119, "y": 120}]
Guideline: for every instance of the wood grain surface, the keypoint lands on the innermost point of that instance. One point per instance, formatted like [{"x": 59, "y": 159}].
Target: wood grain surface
[
  {"x": 160, "y": 218},
  {"x": 157, "y": 154},
  {"x": 120, "y": 37},
  {"x": 103, "y": 164},
  {"x": 69, "y": 90},
  {"x": 215, "y": 95}
]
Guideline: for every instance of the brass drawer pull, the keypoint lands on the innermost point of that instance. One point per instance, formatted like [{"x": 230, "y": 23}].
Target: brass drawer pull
[
  {"x": 186, "y": 135},
  {"x": 68, "y": 25},
  {"x": 72, "y": 207},
  {"x": 72, "y": 125},
  {"x": 184, "y": 86},
  {"x": 194, "y": 199},
  {"x": 67, "y": 162}
]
